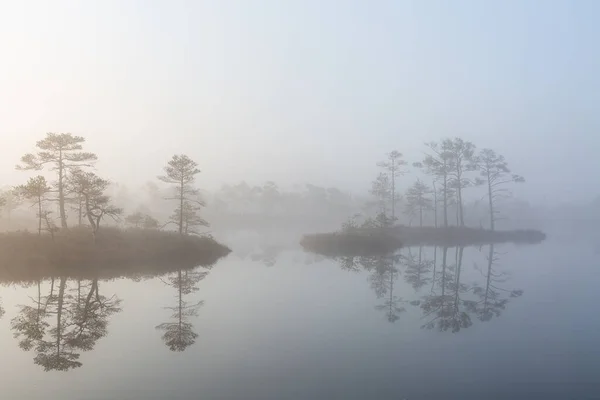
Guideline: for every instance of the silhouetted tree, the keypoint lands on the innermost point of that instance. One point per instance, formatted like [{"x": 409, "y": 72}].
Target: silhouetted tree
[
  {"x": 62, "y": 151},
  {"x": 190, "y": 217},
  {"x": 381, "y": 190},
  {"x": 135, "y": 220},
  {"x": 394, "y": 166},
  {"x": 97, "y": 204},
  {"x": 140, "y": 220},
  {"x": 35, "y": 190},
  {"x": 462, "y": 160},
  {"x": 181, "y": 171},
  {"x": 496, "y": 174},
  {"x": 439, "y": 164},
  {"x": 9, "y": 201},
  {"x": 418, "y": 200},
  {"x": 150, "y": 222}
]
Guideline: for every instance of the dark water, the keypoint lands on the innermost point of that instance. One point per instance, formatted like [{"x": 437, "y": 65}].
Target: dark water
[{"x": 289, "y": 325}]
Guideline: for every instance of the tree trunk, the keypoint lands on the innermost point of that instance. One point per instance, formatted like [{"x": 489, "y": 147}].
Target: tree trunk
[
  {"x": 61, "y": 192},
  {"x": 435, "y": 203},
  {"x": 491, "y": 203},
  {"x": 460, "y": 205},
  {"x": 80, "y": 216},
  {"x": 40, "y": 216},
  {"x": 181, "y": 207},
  {"x": 445, "y": 200},
  {"x": 421, "y": 216},
  {"x": 61, "y": 294},
  {"x": 393, "y": 191}
]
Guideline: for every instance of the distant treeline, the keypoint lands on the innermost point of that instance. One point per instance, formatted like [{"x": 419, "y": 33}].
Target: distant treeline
[{"x": 454, "y": 184}]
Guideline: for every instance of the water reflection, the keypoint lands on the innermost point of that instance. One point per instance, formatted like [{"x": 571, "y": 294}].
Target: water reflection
[
  {"x": 179, "y": 332},
  {"x": 59, "y": 326},
  {"x": 442, "y": 307},
  {"x": 492, "y": 297},
  {"x": 451, "y": 302},
  {"x": 66, "y": 316}
]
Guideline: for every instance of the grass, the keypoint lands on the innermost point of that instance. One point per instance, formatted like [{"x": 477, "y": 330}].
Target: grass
[
  {"x": 371, "y": 241},
  {"x": 26, "y": 256}
]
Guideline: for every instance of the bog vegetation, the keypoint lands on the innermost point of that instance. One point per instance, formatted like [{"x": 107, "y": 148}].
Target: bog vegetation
[{"x": 70, "y": 187}]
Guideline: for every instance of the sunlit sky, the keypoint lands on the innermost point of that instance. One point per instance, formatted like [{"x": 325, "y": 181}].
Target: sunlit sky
[{"x": 297, "y": 91}]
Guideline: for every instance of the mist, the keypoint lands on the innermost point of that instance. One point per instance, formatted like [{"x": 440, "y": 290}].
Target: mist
[
  {"x": 299, "y": 199},
  {"x": 256, "y": 96}
]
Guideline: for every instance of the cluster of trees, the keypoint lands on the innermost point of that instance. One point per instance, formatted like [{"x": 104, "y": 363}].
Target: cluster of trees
[
  {"x": 454, "y": 165},
  {"x": 77, "y": 188}
]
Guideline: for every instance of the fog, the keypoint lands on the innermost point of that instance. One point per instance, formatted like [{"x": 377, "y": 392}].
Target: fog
[{"x": 305, "y": 92}]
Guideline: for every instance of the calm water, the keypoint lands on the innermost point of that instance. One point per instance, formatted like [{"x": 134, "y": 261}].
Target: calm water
[{"x": 290, "y": 325}]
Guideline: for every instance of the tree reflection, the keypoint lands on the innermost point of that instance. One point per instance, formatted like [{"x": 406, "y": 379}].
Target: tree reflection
[
  {"x": 445, "y": 304},
  {"x": 450, "y": 303},
  {"x": 383, "y": 277},
  {"x": 492, "y": 298},
  {"x": 89, "y": 317},
  {"x": 417, "y": 270},
  {"x": 29, "y": 325},
  {"x": 75, "y": 327},
  {"x": 179, "y": 334},
  {"x": 53, "y": 353}
]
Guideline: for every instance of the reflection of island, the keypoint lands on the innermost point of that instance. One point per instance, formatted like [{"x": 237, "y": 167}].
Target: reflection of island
[
  {"x": 58, "y": 326},
  {"x": 448, "y": 303},
  {"x": 179, "y": 333}
]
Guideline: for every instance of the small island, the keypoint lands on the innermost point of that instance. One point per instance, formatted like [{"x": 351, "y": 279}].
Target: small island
[
  {"x": 453, "y": 166},
  {"x": 373, "y": 241},
  {"x": 111, "y": 254},
  {"x": 103, "y": 241}
]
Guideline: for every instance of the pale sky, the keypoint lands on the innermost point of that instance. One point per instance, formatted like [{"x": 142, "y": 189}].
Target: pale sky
[{"x": 310, "y": 90}]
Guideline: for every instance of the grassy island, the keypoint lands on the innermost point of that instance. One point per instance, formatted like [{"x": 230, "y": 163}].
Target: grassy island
[
  {"x": 112, "y": 253},
  {"x": 366, "y": 241}
]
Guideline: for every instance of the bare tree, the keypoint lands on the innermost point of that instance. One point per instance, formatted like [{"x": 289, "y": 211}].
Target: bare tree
[
  {"x": 394, "y": 166},
  {"x": 62, "y": 151},
  {"x": 35, "y": 190},
  {"x": 418, "y": 200},
  {"x": 496, "y": 175},
  {"x": 181, "y": 171}
]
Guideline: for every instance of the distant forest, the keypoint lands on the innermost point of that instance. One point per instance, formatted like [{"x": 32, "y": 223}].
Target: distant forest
[{"x": 454, "y": 184}]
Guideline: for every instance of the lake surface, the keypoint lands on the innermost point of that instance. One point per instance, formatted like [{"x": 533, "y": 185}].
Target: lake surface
[{"x": 426, "y": 324}]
